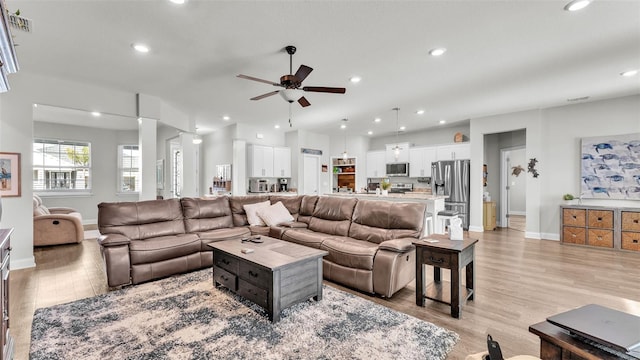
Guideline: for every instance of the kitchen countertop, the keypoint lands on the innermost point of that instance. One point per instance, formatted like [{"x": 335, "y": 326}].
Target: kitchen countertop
[{"x": 394, "y": 196}]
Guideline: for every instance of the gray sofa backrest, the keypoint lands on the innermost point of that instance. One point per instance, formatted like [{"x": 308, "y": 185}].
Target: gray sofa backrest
[
  {"x": 377, "y": 221},
  {"x": 141, "y": 220},
  {"x": 332, "y": 215},
  {"x": 237, "y": 207},
  {"x": 206, "y": 214}
]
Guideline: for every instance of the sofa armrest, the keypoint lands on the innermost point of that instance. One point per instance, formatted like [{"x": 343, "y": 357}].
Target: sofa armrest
[
  {"x": 61, "y": 210},
  {"x": 397, "y": 245},
  {"x": 113, "y": 240},
  {"x": 57, "y": 229}
]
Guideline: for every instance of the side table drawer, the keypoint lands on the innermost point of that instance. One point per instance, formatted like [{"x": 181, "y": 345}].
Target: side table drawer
[
  {"x": 602, "y": 238},
  {"x": 602, "y": 219},
  {"x": 573, "y": 235},
  {"x": 251, "y": 292},
  {"x": 574, "y": 217},
  {"x": 225, "y": 278},
  {"x": 225, "y": 261},
  {"x": 254, "y": 274},
  {"x": 436, "y": 258},
  {"x": 630, "y": 221},
  {"x": 631, "y": 240}
]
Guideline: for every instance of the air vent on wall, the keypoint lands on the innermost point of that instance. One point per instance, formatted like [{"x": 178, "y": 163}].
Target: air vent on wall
[
  {"x": 578, "y": 99},
  {"x": 20, "y": 23}
]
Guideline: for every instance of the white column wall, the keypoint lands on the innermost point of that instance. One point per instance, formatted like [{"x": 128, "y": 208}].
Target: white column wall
[{"x": 147, "y": 137}]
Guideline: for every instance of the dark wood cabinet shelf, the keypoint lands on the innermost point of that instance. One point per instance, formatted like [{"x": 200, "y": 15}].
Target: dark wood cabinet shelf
[{"x": 600, "y": 226}]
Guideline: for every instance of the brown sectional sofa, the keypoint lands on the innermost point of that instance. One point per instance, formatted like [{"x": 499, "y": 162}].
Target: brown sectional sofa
[{"x": 368, "y": 241}]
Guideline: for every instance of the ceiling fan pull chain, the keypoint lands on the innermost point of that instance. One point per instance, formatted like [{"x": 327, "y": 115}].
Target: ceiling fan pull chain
[{"x": 290, "y": 125}]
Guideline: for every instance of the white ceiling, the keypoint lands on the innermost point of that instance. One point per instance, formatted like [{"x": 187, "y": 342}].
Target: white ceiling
[{"x": 502, "y": 56}]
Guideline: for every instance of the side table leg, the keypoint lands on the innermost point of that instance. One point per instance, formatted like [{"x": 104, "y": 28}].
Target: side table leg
[
  {"x": 420, "y": 287},
  {"x": 436, "y": 274},
  {"x": 471, "y": 277},
  {"x": 455, "y": 289}
]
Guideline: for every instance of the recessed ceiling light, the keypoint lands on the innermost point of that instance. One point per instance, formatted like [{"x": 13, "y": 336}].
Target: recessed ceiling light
[
  {"x": 420, "y": 112},
  {"x": 226, "y": 118},
  {"x": 576, "y": 5},
  {"x": 403, "y": 128},
  {"x": 277, "y": 126},
  {"x": 629, "y": 73},
  {"x": 369, "y": 132},
  {"x": 95, "y": 113},
  {"x": 443, "y": 121},
  {"x": 179, "y": 2},
  {"x": 355, "y": 79},
  {"x": 377, "y": 120},
  {"x": 343, "y": 126},
  {"x": 437, "y": 51},
  {"x": 142, "y": 48},
  {"x": 35, "y": 105}
]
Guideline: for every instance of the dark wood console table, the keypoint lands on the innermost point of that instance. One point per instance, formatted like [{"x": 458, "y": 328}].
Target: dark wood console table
[{"x": 449, "y": 254}]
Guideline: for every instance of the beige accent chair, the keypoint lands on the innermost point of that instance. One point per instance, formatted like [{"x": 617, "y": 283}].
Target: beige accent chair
[{"x": 55, "y": 225}]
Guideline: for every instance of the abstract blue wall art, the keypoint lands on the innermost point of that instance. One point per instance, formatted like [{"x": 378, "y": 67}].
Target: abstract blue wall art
[{"x": 611, "y": 167}]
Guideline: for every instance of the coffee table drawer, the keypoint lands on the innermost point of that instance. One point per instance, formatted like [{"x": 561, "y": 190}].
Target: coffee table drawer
[
  {"x": 225, "y": 261},
  {"x": 436, "y": 258},
  {"x": 254, "y": 274},
  {"x": 227, "y": 279},
  {"x": 251, "y": 292}
]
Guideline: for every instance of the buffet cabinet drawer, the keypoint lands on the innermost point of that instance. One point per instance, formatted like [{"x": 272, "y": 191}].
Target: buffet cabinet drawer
[
  {"x": 602, "y": 219},
  {"x": 225, "y": 261},
  {"x": 630, "y": 221},
  {"x": 436, "y": 258},
  {"x": 631, "y": 240},
  {"x": 574, "y": 235},
  {"x": 574, "y": 217},
  {"x": 251, "y": 292},
  {"x": 602, "y": 238},
  {"x": 225, "y": 278}
]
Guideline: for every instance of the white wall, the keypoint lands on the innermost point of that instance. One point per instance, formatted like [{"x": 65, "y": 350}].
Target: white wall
[{"x": 433, "y": 136}]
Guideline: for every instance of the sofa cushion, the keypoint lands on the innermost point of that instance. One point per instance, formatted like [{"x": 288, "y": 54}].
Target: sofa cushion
[
  {"x": 275, "y": 214},
  {"x": 357, "y": 254},
  {"x": 252, "y": 210},
  {"x": 163, "y": 248},
  {"x": 237, "y": 207},
  {"x": 141, "y": 219},
  {"x": 202, "y": 215},
  {"x": 332, "y": 215},
  {"x": 377, "y": 221},
  {"x": 291, "y": 202},
  {"x": 234, "y": 233},
  {"x": 307, "y": 205},
  {"x": 39, "y": 208},
  {"x": 305, "y": 237}
]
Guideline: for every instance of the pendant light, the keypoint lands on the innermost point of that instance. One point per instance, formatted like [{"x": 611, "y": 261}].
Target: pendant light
[
  {"x": 397, "y": 148},
  {"x": 344, "y": 128}
]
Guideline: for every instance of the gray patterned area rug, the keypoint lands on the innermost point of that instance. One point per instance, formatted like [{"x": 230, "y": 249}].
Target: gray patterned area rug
[{"x": 185, "y": 317}]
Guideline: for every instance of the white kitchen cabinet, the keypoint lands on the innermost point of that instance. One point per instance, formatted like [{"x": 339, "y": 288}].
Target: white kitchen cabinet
[
  {"x": 420, "y": 159},
  {"x": 282, "y": 162},
  {"x": 403, "y": 156},
  {"x": 376, "y": 164},
  {"x": 454, "y": 152},
  {"x": 260, "y": 161}
]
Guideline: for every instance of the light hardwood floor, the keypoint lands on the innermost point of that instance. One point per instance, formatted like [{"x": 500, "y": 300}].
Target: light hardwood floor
[{"x": 519, "y": 282}]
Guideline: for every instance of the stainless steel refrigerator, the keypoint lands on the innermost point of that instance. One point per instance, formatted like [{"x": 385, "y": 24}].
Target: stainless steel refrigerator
[{"x": 451, "y": 178}]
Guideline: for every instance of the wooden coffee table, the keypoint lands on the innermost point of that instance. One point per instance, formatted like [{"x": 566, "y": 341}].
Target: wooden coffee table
[
  {"x": 276, "y": 275},
  {"x": 449, "y": 254}
]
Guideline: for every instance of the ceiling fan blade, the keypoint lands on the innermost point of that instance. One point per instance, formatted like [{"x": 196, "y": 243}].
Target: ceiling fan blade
[
  {"x": 303, "y": 72},
  {"x": 325, "y": 89},
  {"x": 303, "y": 102},
  {"x": 265, "y": 95},
  {"x": 259, "y": 80}
]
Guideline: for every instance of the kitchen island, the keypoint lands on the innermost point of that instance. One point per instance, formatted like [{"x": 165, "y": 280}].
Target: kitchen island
[{"x": 435, "y": 203}]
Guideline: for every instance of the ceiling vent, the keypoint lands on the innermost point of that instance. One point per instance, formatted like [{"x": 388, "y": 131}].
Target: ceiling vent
[{"x": 20, "y": 23}]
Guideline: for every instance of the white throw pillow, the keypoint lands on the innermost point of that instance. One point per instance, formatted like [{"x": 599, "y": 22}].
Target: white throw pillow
[
  {"x": 252, "y": 212},
  {"x": 275, "y": 214}
]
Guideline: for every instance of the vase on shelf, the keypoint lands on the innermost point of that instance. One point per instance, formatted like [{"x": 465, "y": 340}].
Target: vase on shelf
[{"x": 385, "y": 192}]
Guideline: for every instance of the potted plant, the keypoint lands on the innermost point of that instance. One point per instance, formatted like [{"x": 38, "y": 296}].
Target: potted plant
[
  {"x": 569, "y": 198},
  {"x": 385, "y": 185}
]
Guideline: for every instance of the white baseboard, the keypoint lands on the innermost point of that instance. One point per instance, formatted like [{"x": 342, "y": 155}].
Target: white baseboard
[
  {"x": 532, "y": 235},
  {"x": 89, "y": 221},
  {"x": 476, "y": 228},
  {"x": 551, "y": 236},
  {"x": 522, "y": 213},
  {"x": 23, "y": 263}
]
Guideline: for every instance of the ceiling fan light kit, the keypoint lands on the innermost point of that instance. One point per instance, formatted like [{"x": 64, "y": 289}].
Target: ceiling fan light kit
[{"x": 292, "y": 83}]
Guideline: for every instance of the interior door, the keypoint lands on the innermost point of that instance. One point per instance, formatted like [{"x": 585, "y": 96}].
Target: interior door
[{"x": 311, "y": 177}]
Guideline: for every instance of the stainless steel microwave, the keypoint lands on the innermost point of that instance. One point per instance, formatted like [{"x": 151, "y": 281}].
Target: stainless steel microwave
[{"x": 398, "y": 169}]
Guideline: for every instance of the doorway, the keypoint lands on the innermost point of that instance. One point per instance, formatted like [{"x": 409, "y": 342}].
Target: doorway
[
  {"x": 513, "y": 188},
  {"x": 311, "y": 175}
]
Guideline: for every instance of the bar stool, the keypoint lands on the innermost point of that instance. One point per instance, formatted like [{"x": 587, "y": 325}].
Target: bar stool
[
  {"x": 447, "y": 215},
  {"x": 428, "y": 222}
]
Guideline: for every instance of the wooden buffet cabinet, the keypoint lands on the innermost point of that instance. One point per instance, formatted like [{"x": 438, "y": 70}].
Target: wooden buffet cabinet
[
  {"x": 601, "y": 226},
  {"x": 489, "y": 215},
  {"x": 6, "y": 341}
]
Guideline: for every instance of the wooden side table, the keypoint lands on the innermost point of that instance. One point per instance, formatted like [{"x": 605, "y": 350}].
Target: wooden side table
[
  {"x": 557, "y": 344},
  {"x": 449, "y": 254}
]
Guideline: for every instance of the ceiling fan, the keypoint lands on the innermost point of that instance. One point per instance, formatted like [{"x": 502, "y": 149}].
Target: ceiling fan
[{"x": 292, "y": 83}]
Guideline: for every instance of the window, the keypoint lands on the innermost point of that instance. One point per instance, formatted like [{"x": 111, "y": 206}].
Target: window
[
  {"x": 60, "y": 165},
  {"x": 128, "y": 168}
]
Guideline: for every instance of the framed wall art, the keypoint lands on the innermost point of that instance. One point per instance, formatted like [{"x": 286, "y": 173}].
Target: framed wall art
[
  {"x": 610, "y": 167},
  {"x": 10, "y": 178}
]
